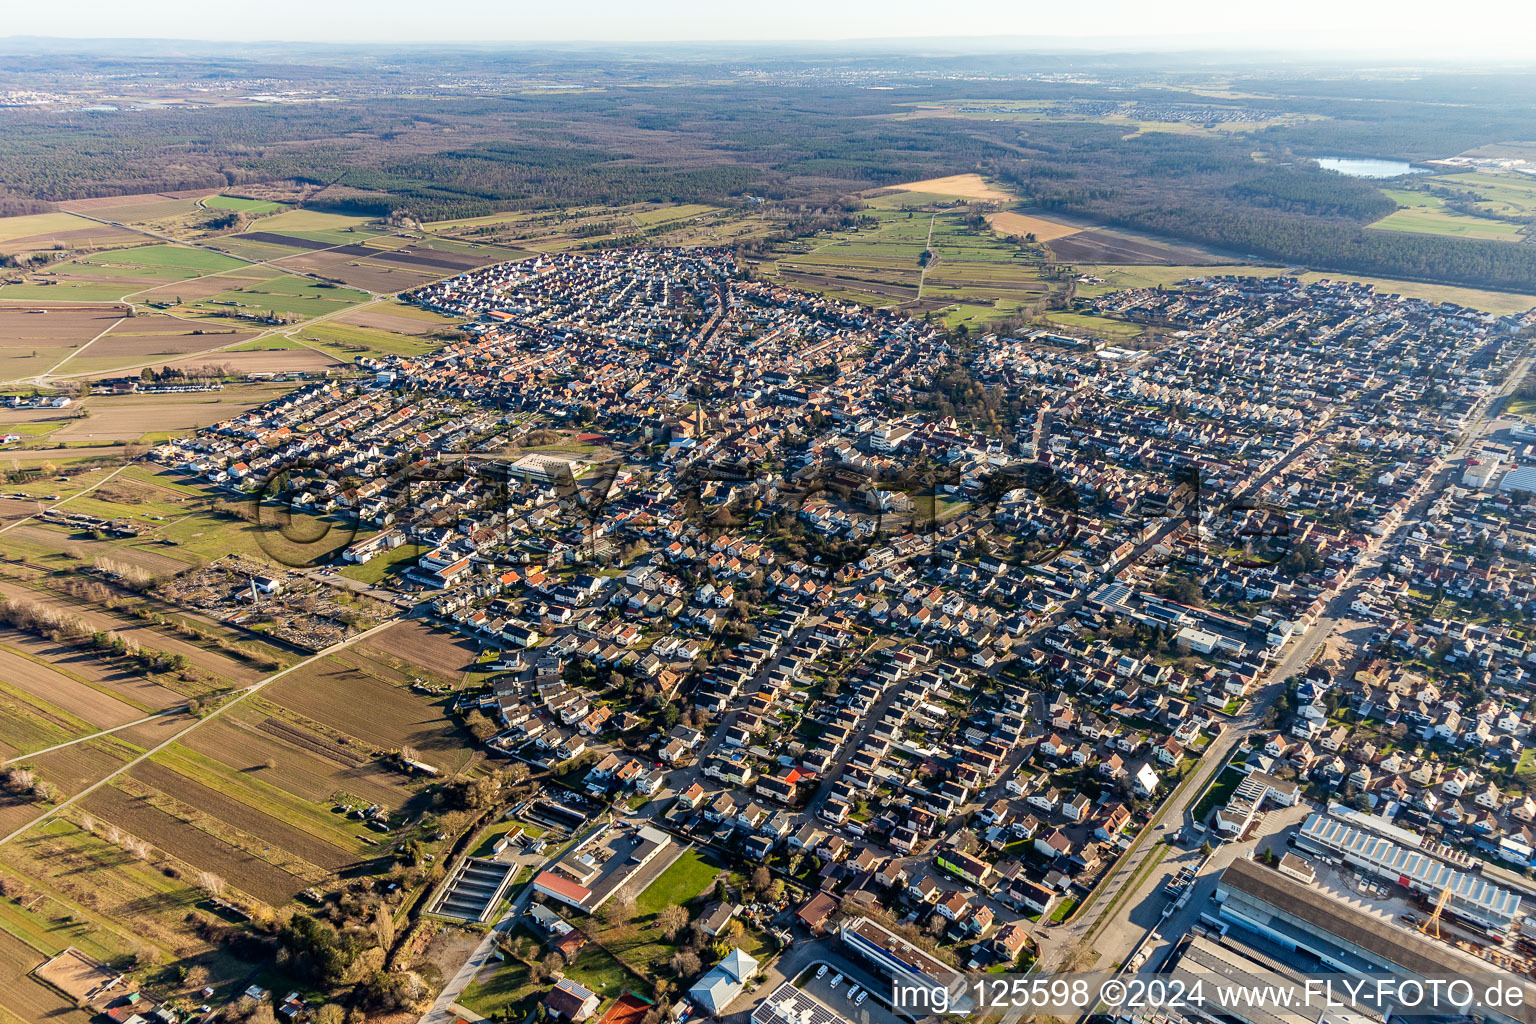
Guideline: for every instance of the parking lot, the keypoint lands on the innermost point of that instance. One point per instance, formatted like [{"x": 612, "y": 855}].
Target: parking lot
[{"x": 834, "y": 1000}]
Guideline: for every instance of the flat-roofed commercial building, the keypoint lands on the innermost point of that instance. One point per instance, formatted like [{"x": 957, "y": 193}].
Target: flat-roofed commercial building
[
  {"x": 904, "y": 962},
  {"x": 1224, "y": 969},
  {"x": 591, "y": 872},
  {"x": 1300, "y": 918}
]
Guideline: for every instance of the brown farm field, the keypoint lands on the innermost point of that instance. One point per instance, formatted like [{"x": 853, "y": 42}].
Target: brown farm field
[
  {"x": 84, "y": 668},
  {"x": 340, "y": 695},
  {"x": 73, "y": 768},
  {"x": 397, "y": 319},
  {"x": 132, "y": 417},
  {"x": 51, "y": 232},
  {"x": 243, "y": 816},
  {"x": 296, "y": 360},
  {"x": 205, "y": 287},
  {"x": 78, "y": 698},
  {"x": 22, "y": 995},
  {"x": 410, "y": 644},
  {"x": 36, "y": 336},
  {"x": 1044, "y": 229},
  {"x": 963, "y": 186},
  {"x": 1102, "y": 245},
  {"x": 149, "y": 339},
  {"x": 204, "y": 657},
  {"x": 188, "y": 843},
  {"x": 239, "y": 741}
]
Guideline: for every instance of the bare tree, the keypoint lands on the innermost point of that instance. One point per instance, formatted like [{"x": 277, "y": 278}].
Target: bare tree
[
  {"x": 672, "y": 920},
  {"x": 620, "y": 909},
  {"x": 686, "y": 963},
  {"x": 210, "y": 883}
]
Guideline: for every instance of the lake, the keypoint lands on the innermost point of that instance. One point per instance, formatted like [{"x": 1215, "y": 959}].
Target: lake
[{"x": 1358, "y": 167}]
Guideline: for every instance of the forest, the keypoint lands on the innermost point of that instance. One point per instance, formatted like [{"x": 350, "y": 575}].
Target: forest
[
  {"x": 800, "y": 130},
  {"x": 1210, "y": 190}
]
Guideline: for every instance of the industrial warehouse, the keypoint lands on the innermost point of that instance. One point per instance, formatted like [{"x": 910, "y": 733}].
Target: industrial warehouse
[
  {"x": 1470, "y": 895},
  {"x": 1282, "y": 915}
]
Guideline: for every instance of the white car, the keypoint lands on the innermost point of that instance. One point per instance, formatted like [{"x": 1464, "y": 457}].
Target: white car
[
  {"x": 860, "y": 1001},
  {"x": 836, "y": 981},
  {"x": 853, "y": 990},
  {"x": 821, "y": 971}
]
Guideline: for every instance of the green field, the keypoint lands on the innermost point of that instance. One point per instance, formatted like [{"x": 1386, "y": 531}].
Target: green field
[
  {"x": 45, "y": 231},
  {"x": 1509, "y": 196},
  {"x": 271, "y": 343},
  {"x": 170, "y": 257},
  {"x": 1427, "y": 214},
  {"x": 684, "y": 879},
  {"x": 39, "y": 224},
  {"x": 390, "y": 563},
  {"x": 971, "y": 273},
  {"x": 1217, "y": 795},
  {"x": 344, "y": 341},
  {"x": 1118, "y": 330},
  {"x": 251, "y": 206},
  {"x": 289, "y": 295},
  {"x": 307, "y": 222},
  {"x": 1119, "y": 277},
  {"x": 507, "y": 992},
  {"x": 111, "y": 275}
]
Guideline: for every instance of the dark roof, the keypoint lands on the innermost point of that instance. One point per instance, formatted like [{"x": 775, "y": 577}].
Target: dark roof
[{"x": 1393, "y": 944}]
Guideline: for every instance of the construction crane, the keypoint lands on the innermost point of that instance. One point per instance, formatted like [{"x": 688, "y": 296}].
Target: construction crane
[{"x": 1431, "y": 924}]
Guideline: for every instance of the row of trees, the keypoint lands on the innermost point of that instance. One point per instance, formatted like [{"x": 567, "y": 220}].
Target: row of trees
[{"x": 63, "y": 628}]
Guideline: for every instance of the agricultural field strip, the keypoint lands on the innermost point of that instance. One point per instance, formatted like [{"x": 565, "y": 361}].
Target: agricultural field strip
[
  {"x": 82, "y": 348},
  {"x": 209, "y": 248},
  {"x": 284, "y": 331},
  {"x": 93, "y": 736},
  {"x": 64, "y": 501},
  {"x": 216, "y": 712}
]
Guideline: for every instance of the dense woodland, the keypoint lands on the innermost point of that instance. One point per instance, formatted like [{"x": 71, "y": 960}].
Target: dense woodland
[
  {"x": 799, "y": 130},
  {"x": 1210, "y": 190}
]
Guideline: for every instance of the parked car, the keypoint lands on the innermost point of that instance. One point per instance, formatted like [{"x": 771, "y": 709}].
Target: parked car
[{"x": 821, "y": 971}]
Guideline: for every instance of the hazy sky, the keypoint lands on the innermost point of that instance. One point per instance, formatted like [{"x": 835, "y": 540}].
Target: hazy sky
[{"x": 1422, "y": 27}]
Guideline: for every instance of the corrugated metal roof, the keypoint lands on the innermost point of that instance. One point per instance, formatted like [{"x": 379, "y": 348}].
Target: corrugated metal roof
[{"x": 1429, "y": 873}]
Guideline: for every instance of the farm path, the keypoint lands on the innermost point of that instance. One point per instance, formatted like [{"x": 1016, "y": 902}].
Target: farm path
[
  {"x": 105, "y": 331},
  {"x": 285, "y": 331},
  {"x": 215, "y": 713},
  {"x": 208, "y": 248},
  {"x": 64, "y": 501},
  {"x": 928, "y": 248},
  {"x": 93, "y": 736}
]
